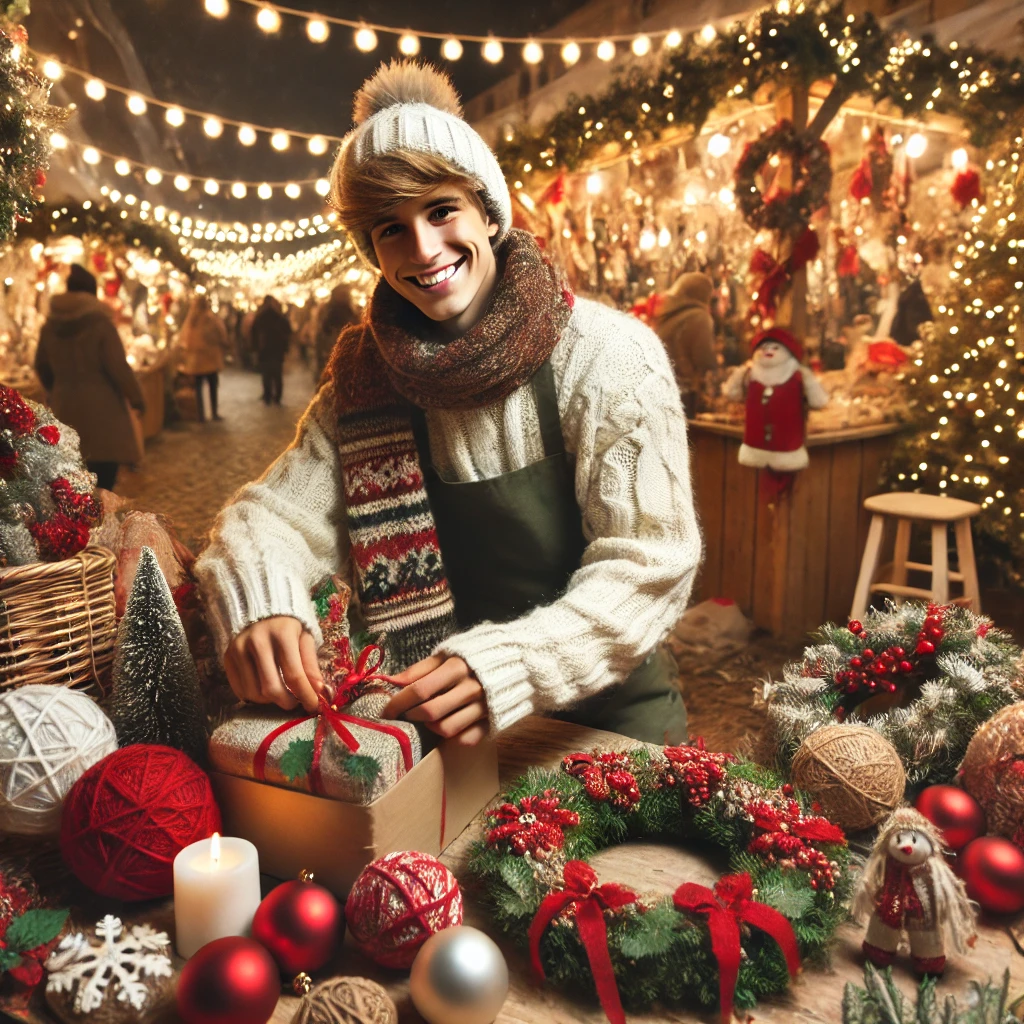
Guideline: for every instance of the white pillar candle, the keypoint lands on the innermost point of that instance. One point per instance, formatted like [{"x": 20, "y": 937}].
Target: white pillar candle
[{"x": 216, "y": 891}]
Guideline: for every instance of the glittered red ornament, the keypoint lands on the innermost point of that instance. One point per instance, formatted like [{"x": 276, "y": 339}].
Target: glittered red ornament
[
  {"x": 229, "y": 981},
  {"x": 130, "y": 814},
  {"x": 854, "y": 626},
  {"x": 398, "y": 902},
  {"x": 993, "y": 870},
  {"x": 301, "y": 924},
  {"x": 956, "y": 814}
]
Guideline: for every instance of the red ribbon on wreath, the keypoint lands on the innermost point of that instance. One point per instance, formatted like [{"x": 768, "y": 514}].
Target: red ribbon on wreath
[
  {"x": 587, "y": 901},
  {"x": 966, "y": 186},
  {"x": 775, "y": 276},
  {"x": 727, "y": 907}
]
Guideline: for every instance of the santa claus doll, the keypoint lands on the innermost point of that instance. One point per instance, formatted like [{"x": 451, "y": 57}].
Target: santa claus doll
[{"x": 778, "y": 392}]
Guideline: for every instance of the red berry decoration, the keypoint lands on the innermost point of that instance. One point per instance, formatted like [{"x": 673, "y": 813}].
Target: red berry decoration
[
  {"x": 993, "y": 870},
  {"x": 924, "y": 647},
  {"x": 855, "y": 627},
  {"x": 301, "y": 924},
  {"x": 229, "y": 981},
  {"x": 956, "y": 814}
]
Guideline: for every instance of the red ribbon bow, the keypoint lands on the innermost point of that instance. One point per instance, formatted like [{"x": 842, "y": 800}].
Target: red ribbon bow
[
  {"x": 726, "y": 908},
  {"x": 775, "y": 276},
  {"x": 588, "y": 901}
]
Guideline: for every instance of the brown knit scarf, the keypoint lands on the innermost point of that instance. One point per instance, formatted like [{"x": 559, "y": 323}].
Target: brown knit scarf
[{"x": 377, "y": 369}]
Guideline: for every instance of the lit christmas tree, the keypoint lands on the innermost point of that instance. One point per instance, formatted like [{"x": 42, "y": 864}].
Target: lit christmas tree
[
  {"x": 967, "y": 389},
  {"x": 156, "y": 696}
]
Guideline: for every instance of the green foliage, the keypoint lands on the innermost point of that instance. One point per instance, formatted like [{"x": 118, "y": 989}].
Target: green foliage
[
  {"x": 363, "y": 768},
  {"x": 297, "y": 760},
  {"x": 34, "y": 928}
]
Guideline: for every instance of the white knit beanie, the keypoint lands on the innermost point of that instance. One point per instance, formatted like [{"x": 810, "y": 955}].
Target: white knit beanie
[{"x": 411, "y": 106}]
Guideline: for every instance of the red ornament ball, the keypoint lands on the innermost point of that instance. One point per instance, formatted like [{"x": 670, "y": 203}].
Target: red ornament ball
[
  {"x": 956, "y": 814},
  {"x": 301, "y": 924},
  {"x": 398, "y": 902},
  {"x": 229, "y": 981},
  {"x": 130, "y": 814},
  {"x": 993, "y": 870}
]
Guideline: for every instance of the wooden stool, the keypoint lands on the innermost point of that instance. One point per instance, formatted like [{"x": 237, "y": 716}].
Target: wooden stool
[{"x": 930, "y": 508}]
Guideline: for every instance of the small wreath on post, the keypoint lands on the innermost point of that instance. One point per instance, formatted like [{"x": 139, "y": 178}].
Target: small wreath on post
[
  {"x": 925, "y": 676},
  {"x": 783, "y": 899},
  {"x": 785, "y": 210}
]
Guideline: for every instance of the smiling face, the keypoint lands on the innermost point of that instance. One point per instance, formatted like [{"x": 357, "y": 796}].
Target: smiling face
[
  {"x": 909, "y": 846},
  {"x": 771, "y": 353},
  {"x": 436, "y": 252}
]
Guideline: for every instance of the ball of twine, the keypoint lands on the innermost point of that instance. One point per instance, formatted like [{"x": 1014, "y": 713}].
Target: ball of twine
[
  {"x": 49, "y": 736},
  {"x": 346, "y": 1001},
  {"x": 854, "y": 773},
  {"x": 993, "y": 770}
]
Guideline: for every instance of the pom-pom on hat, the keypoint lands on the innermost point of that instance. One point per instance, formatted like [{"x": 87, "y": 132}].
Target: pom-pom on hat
[
  {"x": 783, "y": 338},
  {"x": 407, "y": 105}
]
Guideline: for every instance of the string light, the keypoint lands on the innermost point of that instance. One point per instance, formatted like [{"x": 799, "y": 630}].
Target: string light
[
  {"x": 268, "y": 20},
  {"x": 136, "y": 104},
  {"x": 317, "y": 145},
  {"x": 182, "y": 183},
  {"x": 154, "y": 176},
  {"x": 493, "y": 51},
  {"x": 605, "y": 50},
  {"x": 366, "y": 39},
  {"x": 122, "y": 167},
  {"x": 91, "y": 155},
  {"x": 708, "y": 34},
  {"x": 959, "y": 159},
  {"x": 323, "y": 186},
  {"x": 95, "y": 89},
  {"x": 451, "y": 49},
  {"x": 58, "y": 141},
  {"x": 571, "y": 53},
  {"x": 719, "y": 144},
  {"x": 213, "y": 127},
  {"x": 916, "y": 145},
  {"x": 174, "y": 116},
  {"x": 641, "y": 46},
  {"x": 217, "y": 8},
  {"x": 674, "y": 39},
  {"x": 280, "y": 141},
  {"x": 247, "y": 135},
  {"x": 292, "y": 191},
  {"x": 264, "y": 191},
  {"x": 211, "y": 187},
  {"x": 52, "y": 70},
  {"x": 408, "y": 44},
  {"x": 533, "y": 52},
  {"x": 238, "y": 190},
  {"x": 318, "y": 30},
  {"x": 594, "y": 184}
]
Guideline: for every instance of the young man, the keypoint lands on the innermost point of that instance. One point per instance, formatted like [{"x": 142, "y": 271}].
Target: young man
[{"x": 500, "y": 470}]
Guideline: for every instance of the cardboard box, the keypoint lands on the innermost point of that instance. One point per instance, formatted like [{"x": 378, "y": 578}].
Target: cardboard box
[{"x": 336, "y": 840}]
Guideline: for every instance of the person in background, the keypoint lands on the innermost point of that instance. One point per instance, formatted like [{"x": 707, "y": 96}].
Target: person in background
[
  {"x": 203, "y": 340},
  {"x": 687, "y": 330},
  {"x": 337, "y": 313},
  {"x": 271, "y": 335},
  {"x": 81, "y": 363}
]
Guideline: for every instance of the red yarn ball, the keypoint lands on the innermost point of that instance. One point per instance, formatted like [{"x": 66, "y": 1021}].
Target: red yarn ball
[
  {"x": 956, "y": 814},
  {"x": 301, "y": 924},
  {"x": 130, "y": 814},
  {"x": 398, "y": 902},
  {"x": 993, "y": 871},
  {"x": 233, "y": 980}
]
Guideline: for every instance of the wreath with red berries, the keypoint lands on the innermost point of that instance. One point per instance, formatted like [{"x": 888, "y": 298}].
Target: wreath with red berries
[
  {"x": 778, "y": 209},
  {"x": 784, "y": 896},
  {"x": 925, "y": 676}
]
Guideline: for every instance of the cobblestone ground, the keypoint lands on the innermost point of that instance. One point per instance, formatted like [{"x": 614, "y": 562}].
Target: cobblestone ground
[{"x": 191, "y": 469}]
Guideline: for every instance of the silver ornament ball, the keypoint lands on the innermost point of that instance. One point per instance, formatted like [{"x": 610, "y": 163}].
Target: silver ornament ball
[{"x": 459, "y": 976}]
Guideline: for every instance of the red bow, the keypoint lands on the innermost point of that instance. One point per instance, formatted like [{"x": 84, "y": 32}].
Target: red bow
[
  {"x": 966, "y": 186},
  {"x": 587, "y": 901},
  {"x": 726, "y": 908},
  {"x": 775, "y": 276},
  {"x": 648, "y": 309}
]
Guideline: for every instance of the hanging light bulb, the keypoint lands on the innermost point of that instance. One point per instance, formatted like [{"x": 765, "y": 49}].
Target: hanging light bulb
[
  {"x": 451, "y": 49},
  {"x": 268, "y": 20},
  {"x": 174, "y": 116},
  {"x": 280, "y": 141},
  {"x": 570, "y": 53},
  {"x": 708, "y": 34},
  {"x": 246, "y": 135},
  {"x": 154, "y": 176},
  {"x": 366, "y": 39},
  {"x": 264, "y": 191},
  {"x": 533, "y": 52},
  {"x": 136, "y": 104},
  {"x": 211, "y": 187},
  {"x": 726, "y": 196},
  {"x": 58, "y": 141},
  {"x": 648, "y": 240},
  {"x": 317, "y": 145},
  {"x": 318, "y": 30},
  {"x": 95, "y": 89},
  {"x": 493, "y": 51},
  {"x": 605, "y": 50},
  {"x": 238, "y": 190},
  {"x": 217, "y": 8},
  {"x": 292, "y": 191},
  {"x": 122, "y": 167},
  {"x": 408, "y": 44},
  {"x": 52, "y": 70},
  {"x": 916, "y": 145},
  {"x": 960, "y": 159},
  {"x": 719, "y": 144},
  {"x": 664, "y": 238},
  {"x": 213, "y": 127},
  {"x": 115, "y": 196},
  {"x": 641, "y": 45},
  {"x": 323, "y": 186},
  {"x": 91, "y": 155},
  {"x": 673, "y": 39},
  {"x": 594, "y": 184},
  {"x": 182, "y": 182}
]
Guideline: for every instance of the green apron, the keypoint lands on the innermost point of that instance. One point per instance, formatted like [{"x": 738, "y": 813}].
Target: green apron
[{"x": 511, "y": 543}]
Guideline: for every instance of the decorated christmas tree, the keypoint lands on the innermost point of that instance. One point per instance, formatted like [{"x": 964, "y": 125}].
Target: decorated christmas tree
[
  {"x": 156, "y": 695},
  {"x": 967, "y": 388}
]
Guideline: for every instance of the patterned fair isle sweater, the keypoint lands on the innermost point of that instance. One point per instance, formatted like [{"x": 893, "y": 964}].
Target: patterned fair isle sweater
[{"x": 621, "y": 419}]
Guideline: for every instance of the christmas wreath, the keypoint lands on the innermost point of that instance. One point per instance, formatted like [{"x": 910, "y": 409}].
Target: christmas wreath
[
  {"x": 924, "y": 676},
  {"x": 783, "y": 898},
  {"x": 779, "y": 209}
]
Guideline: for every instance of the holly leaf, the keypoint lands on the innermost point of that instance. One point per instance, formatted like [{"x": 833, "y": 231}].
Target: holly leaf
[
  {"x": 34, "y": 928},
  {"x": 8, "y": 959},
  {"x": 297, "y": 760}
]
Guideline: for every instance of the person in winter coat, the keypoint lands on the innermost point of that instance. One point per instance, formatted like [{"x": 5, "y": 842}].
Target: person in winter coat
[
  {"x": 334, "y": 316},
  {"x": 499, "y": 468},
  {"x": 81, "y": 363},
  {"x": 685, "y": 325},
  {"x": 203, "y": 340},
  {"x": 271, "y": 336}
]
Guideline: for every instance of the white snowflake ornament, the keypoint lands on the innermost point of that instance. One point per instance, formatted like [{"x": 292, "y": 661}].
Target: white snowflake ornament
[{"x": 123, "y": 960}]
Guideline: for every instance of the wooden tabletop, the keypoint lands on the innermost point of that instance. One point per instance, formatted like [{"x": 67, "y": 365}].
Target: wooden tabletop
[{"x": 815, "y": 997}]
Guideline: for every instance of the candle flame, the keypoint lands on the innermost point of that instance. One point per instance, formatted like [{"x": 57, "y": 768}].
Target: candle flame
[{"x": 215, "y": 849}]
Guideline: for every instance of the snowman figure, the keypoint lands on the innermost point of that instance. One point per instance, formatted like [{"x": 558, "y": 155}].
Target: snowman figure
[
  {"x": 778, "y": 391},
  {"x": 907, "y": 886}
]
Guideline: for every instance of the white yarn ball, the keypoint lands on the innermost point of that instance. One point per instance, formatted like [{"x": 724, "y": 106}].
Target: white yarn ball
[{"x": 49, "y": 736}]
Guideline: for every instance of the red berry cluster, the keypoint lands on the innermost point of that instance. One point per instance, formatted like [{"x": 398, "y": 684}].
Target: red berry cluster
[
  {"x": 698, "y": 771},
  {"x": 606, "y": 778},
  {"x": 931, "y": 631},
  {"x": 15, "y": 415},
  {"x": 534, "y": 826},
  {"x": 785, "y": 838},
  {"x": 870, "y": 672},
  {"x": 59, "y": 537},
  {"x": 75, "y": 504}
]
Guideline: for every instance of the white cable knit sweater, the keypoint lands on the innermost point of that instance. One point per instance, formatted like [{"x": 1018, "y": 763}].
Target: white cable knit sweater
[{"x": 621, "y": 419}]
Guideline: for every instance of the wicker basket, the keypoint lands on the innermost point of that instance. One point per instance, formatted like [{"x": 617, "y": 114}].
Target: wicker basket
[{"x": 57, "y": 621}]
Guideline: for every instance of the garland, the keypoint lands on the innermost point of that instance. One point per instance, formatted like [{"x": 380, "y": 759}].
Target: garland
[
  {"x": 924, "y": 676},
  {"x": 787, "y": 886}
]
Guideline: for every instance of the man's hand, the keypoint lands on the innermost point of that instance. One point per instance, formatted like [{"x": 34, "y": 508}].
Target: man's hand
[
  {"x": 445, "y": 696},
  {"x": 273, "y": 661}
]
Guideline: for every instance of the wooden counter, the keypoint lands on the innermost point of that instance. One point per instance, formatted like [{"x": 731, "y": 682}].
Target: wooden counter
[{"x": 790, "y": 563}]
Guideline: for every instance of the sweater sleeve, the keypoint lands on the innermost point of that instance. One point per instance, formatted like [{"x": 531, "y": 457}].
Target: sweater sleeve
[
  {"x": 623, "y": 420},
  {"x": 279, "y": 536}
]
